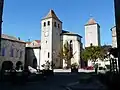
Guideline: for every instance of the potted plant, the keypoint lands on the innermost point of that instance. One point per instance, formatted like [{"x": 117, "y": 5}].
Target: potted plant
[
  {"x": 74, "y": 67},
  {"x": 47, "y": 71}
]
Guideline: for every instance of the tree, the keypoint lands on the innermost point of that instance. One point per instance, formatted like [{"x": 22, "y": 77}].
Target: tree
[
  {"x": 65, "y": 53},
  {"x": 93, "y": 53}
]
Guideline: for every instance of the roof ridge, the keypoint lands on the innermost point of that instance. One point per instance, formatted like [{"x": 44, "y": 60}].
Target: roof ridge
[
  {"x": 91, "y": 21},
  {"x": 51, "y": 14}
]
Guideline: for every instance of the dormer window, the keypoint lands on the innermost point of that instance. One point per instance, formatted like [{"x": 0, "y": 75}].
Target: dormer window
[
  {"x": 55, "y": 24},
  {"x": 44, "y": 24},
  {"x": 58, "y": 25},
  {"x": 48, "y": 23},
  {"x": 33, "y": 44}
]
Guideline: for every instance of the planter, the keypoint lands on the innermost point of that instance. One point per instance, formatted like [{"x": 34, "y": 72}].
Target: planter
[
  {"x": 74, "y": 70},
  {"x": 48, "y": 72}
]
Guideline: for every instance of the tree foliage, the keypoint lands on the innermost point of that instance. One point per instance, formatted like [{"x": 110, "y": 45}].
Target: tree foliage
[
  {"x": 93, "y": 53},
  {"x": 65, "y": 52}
]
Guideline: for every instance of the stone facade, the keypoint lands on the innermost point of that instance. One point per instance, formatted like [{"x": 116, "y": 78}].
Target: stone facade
[{"x": 12, "y": 49}]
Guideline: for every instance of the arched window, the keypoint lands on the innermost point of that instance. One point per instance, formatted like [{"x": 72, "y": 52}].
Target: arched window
[
  {"x": 55, "y": 24},
  {"x": 44, "y": 24},
  {"x": 71, "y": 47},
  {"x": 48, "y": 23},
  {"x": 48, "y": 54},
  {"x": 58, "y": 25}
]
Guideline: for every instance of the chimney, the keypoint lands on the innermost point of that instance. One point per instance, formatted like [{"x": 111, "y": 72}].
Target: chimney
[
  {"x": 28, "y": 40},
  {"x": 18, "y": 38}
]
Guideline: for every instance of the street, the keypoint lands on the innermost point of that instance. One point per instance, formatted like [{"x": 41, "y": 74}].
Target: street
[{"x": 56, "y": 82}]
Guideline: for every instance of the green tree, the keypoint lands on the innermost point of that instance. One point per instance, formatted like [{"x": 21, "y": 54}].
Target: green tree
[
  {"x": 93, "y": 53},
  {"x": 65, "y": 53}
]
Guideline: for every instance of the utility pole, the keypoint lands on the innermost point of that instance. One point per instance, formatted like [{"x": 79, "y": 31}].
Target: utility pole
[
  {"x": 1, "y": 13},
  {"x": 117, "y": 20}
]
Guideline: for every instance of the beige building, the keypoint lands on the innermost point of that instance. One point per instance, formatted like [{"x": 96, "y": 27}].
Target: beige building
[
  {"x": 12, "y": 51},
  {"x": 33, "y": 54},
  {"x": 75, "y": 45},
  {"x": 114, "y": 37},
  {"x": 92, "y": 33},
  {"x": 53, "y": 38}
]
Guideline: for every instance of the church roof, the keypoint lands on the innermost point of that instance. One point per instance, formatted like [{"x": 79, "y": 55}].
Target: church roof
[
  {"x": 69, "y": 33},
  {"x": 12, "y": 38},
  {"x": 51, "y": 14},
  {"x": 91, "y": 21}
]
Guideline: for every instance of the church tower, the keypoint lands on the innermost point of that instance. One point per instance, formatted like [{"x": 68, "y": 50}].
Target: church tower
[
  {"x": 92, "y": 33},
  {"x": 51, "y": 28}
]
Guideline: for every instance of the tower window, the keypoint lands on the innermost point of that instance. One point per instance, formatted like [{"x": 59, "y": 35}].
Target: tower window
[
  {"x": 58, "y": 25},
  {"x": 71, "y": 47},
  {"x": 48, "y": 54},
  {"x": 55, "y": 24},
  {"x": 48, "y": 23},
  {"x": 44, "y": 24},
  {"x": 46, "y": 41}
]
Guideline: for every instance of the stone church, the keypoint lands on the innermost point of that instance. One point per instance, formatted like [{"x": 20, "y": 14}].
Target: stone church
[{"x": 53, "y": 37}]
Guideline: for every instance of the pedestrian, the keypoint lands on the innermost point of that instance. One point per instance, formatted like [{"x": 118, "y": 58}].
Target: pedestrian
[{"x": 96, "y": 68}]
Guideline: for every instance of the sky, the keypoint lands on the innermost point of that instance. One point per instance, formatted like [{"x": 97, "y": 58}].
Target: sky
[{"x": 21, "y": 18}]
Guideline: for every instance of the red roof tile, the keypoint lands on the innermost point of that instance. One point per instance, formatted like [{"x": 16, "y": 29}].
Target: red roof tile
[{"x": 38, "y": 41}]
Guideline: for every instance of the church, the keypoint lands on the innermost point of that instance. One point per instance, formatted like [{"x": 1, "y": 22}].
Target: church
[{"x": 53, "y": 38}]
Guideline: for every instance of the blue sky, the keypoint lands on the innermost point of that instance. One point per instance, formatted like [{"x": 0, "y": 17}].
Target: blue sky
[{"x": 22, "y": 18}]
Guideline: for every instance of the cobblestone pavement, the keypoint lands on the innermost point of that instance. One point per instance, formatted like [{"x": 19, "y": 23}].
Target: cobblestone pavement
[{"x": 56, "y": 82}]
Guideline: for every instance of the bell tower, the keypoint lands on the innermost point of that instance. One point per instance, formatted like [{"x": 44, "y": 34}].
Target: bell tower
[
  {"x": 51, "y": 28},
  {"x": 92, "y": 33}
]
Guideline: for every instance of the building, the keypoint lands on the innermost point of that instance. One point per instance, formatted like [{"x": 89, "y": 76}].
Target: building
[
  {"x": 114, "y": 37},
  {"x": 32, "y": 55},
  {"x": 12, "y": 51},
  {"x": 52, "y": 39},
  {"x": 74, "y": 41},
  {"x": 92, "y": 33}
]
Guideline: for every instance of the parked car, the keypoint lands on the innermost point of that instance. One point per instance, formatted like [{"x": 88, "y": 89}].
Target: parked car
[{"x": 90, "y": 68}]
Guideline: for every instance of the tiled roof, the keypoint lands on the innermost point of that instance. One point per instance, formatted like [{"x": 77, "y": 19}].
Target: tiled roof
[
  {"x": 30, "y": 44},
  {"x": 38, "y": 41},
  {"x": 70, "y": 33},
  {"x": 91, "y": 21},
  {"x": 51, "y": 14},
  {"x": 4, "y": 36}
]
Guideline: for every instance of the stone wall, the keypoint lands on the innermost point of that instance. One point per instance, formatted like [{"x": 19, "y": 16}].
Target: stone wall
[{"x": 13, "y": 51}]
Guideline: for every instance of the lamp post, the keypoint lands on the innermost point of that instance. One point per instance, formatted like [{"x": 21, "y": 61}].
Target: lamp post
[{"x": 117, "y": 20}]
